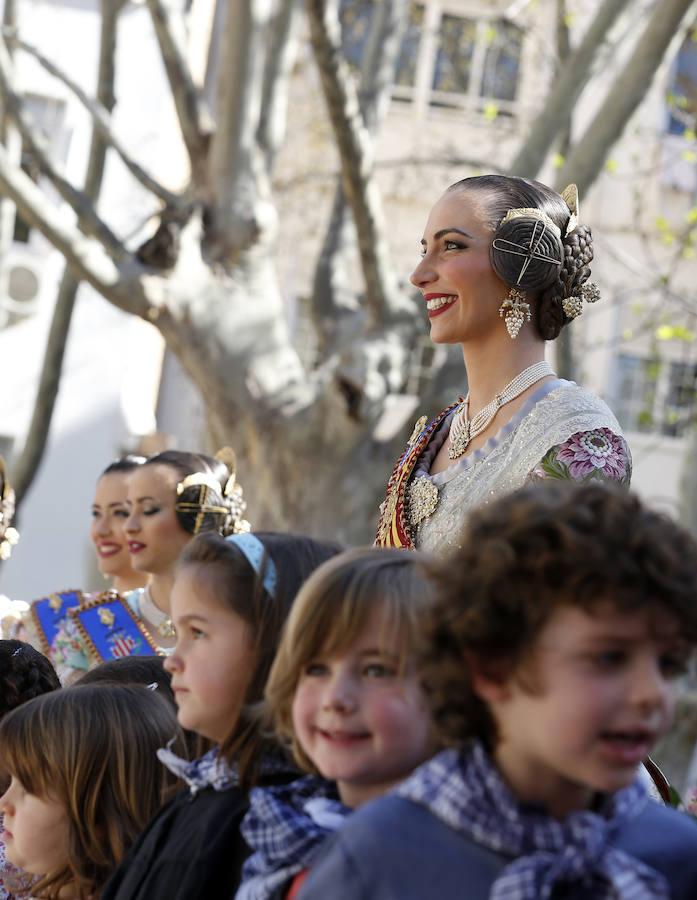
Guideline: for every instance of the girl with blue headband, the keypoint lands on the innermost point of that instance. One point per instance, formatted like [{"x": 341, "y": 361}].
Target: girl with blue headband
[{"x": 229, "y": 603}]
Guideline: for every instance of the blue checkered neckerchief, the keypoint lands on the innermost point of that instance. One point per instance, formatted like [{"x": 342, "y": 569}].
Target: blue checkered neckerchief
[
  {"x": 466, "y": 791},
  {"x": 284, "y": 827},
  {"x": 212, "y": 770}
]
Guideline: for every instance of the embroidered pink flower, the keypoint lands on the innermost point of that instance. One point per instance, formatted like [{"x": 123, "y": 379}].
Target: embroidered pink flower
[{"x": 587, "y": 451}]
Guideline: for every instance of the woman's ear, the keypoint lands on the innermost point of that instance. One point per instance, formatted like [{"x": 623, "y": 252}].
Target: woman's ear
[{"x": 491, "y": 679}]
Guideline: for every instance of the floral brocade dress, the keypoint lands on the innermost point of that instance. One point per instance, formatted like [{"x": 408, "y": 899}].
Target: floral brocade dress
[{"x": 562, "y": 431}]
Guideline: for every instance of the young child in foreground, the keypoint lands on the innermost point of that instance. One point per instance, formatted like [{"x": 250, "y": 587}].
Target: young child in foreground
[
  {"x": 85, "y": 780},
  {"x": 551, "y": 656},
  {"x": 345, "y": 694},
  {"x": 230, "y": 599},
  {"x": 24, "y": 674}
]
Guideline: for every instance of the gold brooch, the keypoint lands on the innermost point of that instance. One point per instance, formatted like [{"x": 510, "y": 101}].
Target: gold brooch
[
  {"x": 418, "y": 428},
  {"x": 421, "y": 499}
]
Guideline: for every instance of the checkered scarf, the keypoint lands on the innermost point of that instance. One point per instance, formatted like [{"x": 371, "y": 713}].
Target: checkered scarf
[
  {"x": 464, "y": 790},
  {"x": 284, "y": 828},
  {"x": 212, "y": 770}
]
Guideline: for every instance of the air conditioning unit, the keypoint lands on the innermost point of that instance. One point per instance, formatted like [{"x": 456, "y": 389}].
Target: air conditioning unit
[{"x": 20, "y": 283}]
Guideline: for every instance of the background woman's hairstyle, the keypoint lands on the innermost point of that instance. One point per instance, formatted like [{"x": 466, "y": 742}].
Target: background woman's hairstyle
[
  {"x": 505, "y": 192},
  {"x": 126, "y": 463},
  {"x": 522, "y": 557},
  {"x": 241, "y": 589},
  {"x": 93, "y": 749},
  {"x": 213, "y": 504},
  {"x": 332, "y": 609},
  {"x": 24, "y": 674},
  {"x": 194, "y": 497}
]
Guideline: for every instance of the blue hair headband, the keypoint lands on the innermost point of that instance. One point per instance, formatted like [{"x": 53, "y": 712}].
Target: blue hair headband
[{"x": 254, "y": 550}]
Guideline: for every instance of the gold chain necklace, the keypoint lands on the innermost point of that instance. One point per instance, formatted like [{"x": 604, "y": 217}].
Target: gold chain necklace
[{"x": 463, "y": 429}]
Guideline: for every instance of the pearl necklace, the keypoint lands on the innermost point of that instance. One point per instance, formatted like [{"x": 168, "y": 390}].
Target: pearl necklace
[{"x": 463, "y": 429}]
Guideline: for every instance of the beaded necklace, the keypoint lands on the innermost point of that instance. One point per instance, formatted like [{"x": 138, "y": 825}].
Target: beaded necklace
[{"x": 463, "y": 429}]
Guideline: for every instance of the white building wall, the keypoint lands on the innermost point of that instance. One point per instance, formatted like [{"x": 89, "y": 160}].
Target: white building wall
[{"x": 112, "y": 364}]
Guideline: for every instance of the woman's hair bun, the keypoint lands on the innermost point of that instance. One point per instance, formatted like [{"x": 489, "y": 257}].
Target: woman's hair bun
[{"x": 527, "y": 250}]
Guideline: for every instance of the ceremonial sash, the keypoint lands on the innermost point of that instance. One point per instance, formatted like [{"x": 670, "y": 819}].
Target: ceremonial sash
[
  {"x": 110, "y": 629},
  {"x": 393, "y": 530},
  {"x": 49, "y": 614}
]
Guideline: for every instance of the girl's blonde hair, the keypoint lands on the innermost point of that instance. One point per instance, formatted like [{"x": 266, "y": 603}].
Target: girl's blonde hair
[
  {"x": 330, "y": 612},
  {"x": 93, "y": 749}
]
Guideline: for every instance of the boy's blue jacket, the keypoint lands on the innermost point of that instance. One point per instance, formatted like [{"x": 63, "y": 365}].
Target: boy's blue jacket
[{"x": 394, "y": 849}]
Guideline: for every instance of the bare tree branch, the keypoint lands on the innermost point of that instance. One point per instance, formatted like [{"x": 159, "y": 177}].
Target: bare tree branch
[
  {"x": 90, "y": 222},
  {"x": 279, "y": 61},
  {"x": 568, "y": 84},
  {"x": 236, "y": 165},
  {"x": 51, "y": 370},
  {"x": 384, "y": 301},
  {"x": 330, "y": 293},
  {"x": 102, "y": 120},
  {"x": 626, "y": 93},
  {"x": 85, "y": 255},
  {"x": 563, "y": 346},
  {"x": 10, "y": 139},
  {"x": 193, "y": 115}
]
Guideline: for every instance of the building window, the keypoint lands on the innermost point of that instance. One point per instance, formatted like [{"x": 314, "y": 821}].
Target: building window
[
  {"x": 446, "y": 60},
  {"x": 655, "y": 396},
  {"x": 681, "y": 395},
  {"x": 682, "y": 92},
  {"x": 636, "y": 392}
]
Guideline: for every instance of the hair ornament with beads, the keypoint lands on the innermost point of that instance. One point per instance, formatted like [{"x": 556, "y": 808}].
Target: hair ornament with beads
[
  {"x": 570, "y": 196},
  {"x": 233, "y": 491},
  {"x": 204, "y": 493},
  {"x": 8, "y": 535}
]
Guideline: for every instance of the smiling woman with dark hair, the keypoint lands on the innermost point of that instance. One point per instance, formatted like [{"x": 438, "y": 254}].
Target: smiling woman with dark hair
[
  {"x": 504, "y": 267},
  {"x": 172, "y": 497}
]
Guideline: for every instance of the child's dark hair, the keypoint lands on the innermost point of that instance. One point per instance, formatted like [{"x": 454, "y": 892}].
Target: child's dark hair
[
  {"x": 240, "y": 587},
  {"x": 525, "y": 555},
  {"x": 333, "y": 608},
  {"x": 24, "y": 674},
  {"x": 145, "y": 670},
  {"x": 93, "y": 749},
  {"x": 150, "y": 672}
]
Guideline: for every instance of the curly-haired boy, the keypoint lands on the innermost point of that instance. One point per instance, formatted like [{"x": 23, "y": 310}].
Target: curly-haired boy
[{"x": 551, "y": 658}]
